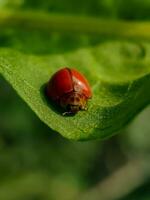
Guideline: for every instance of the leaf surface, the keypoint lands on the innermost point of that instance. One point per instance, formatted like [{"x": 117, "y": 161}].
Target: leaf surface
[{"x": 119, "y": 73}]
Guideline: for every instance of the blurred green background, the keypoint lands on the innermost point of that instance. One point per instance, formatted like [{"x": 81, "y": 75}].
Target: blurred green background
[{"x": 38, "y": 164}]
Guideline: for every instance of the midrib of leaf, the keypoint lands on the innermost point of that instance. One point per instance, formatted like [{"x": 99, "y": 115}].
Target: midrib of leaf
[
  {"x": 115, "y": 101},
  {"x": 77, "y": 24}
]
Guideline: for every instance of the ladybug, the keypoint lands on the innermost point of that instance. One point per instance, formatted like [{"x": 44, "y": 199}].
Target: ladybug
[{"x": 69, "y": 89}]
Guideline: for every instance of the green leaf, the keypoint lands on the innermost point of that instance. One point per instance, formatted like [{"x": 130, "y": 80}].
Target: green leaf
[{"x": 119, "y": 73}]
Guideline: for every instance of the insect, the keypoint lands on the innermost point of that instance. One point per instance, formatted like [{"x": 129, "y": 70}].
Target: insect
[{"x": 69, "y": 89}]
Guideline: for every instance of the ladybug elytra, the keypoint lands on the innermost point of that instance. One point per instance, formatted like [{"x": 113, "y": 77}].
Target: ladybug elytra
[{"x": 70, "y": 89}]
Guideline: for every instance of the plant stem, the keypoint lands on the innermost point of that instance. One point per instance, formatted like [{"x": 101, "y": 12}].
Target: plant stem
[
  {"x": 65, "y": 23},
  {"x": 120, "y": 183}
]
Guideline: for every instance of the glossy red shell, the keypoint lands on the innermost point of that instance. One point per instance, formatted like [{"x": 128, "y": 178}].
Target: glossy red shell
[{"x": 67, "y": 80}]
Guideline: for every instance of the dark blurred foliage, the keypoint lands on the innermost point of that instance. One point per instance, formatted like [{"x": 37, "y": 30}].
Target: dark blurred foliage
[
  {"x": 141, "y": 193},
  {"x": 35, "y": 162},
  {"x": 44, "y": 43},
  {"x": 129, "y": 9}
]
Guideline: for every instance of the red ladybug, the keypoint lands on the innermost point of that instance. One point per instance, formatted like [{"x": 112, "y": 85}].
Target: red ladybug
[{"x": 70, "y": 89}]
